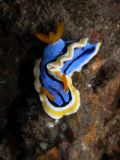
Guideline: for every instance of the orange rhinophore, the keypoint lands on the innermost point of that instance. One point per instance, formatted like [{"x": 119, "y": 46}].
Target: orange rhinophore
[
  {"x": 64, "y": 79},
  {"x": 42, "y": 37},
  {"x": 52, "y": 37}
]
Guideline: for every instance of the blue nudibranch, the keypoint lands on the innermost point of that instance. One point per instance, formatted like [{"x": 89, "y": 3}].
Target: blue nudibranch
[{"x": 54, "y": 70}]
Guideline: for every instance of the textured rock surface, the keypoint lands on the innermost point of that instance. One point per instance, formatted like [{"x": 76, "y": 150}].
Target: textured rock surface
[{"x": 26, "y": 132}]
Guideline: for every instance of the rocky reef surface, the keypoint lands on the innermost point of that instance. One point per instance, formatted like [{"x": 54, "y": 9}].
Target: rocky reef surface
[{"x": 26, "y": 132}]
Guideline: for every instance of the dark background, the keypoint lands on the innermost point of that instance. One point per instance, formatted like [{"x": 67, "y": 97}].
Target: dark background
[{"x": 26, "y": 132}]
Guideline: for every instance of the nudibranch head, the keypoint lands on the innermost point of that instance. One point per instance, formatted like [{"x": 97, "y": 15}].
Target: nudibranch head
[
  {"x": 53, "y": 73},
  {"x": 53, "y": 50}
]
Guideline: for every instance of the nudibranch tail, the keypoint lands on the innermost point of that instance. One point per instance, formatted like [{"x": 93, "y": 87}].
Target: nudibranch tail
[
  {"x": 52, "y": 37},
  {"x": 53, "y": 73}
]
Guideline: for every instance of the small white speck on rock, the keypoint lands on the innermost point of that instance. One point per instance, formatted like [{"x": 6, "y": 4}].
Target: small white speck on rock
[
  {"x": 43, "y": 145},
  {"x": 118, "y": 25},
  {"x": 89, "y": 85},
  {"x": 50, "y": 124},
  {"x": 84, "y": 147},
  {"x": 57, "y": 121}
]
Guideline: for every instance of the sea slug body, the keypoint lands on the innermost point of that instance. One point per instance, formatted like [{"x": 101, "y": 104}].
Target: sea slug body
[{"x": 54, "y": 70}]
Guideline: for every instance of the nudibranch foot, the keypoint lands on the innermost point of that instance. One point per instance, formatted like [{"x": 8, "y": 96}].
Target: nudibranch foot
[{"x": 53, "y": 72}]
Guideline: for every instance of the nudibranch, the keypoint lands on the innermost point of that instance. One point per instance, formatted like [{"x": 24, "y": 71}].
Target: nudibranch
[{"x": 54, "y": 70}]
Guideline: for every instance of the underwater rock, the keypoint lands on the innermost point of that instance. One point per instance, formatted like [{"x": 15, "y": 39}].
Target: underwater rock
[{"x": 94, "y": 131}]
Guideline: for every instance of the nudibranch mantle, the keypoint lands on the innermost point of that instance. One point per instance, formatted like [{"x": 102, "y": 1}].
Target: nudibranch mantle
[{"x": 53, "y": 75}]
